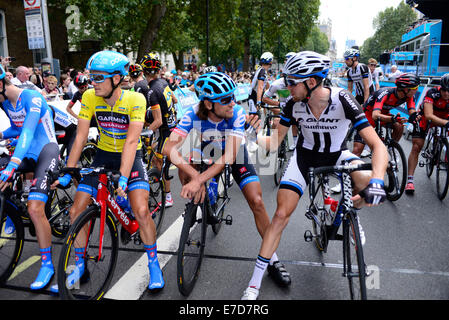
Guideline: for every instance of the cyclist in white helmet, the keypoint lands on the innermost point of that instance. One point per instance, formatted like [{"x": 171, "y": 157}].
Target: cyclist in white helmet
[
  {"x": 259, "y": 82},
  {"x": 312, "y": 106}
]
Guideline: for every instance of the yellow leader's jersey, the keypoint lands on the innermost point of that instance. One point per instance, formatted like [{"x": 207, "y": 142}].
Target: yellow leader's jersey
[{"x": 113, "y": 122}]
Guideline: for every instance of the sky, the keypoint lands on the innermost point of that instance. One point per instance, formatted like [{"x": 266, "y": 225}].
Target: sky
[{"x": 352, "y": 19}]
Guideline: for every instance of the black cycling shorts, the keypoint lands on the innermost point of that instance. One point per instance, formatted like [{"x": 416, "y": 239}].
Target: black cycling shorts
[{"x": 138, "y": 178}]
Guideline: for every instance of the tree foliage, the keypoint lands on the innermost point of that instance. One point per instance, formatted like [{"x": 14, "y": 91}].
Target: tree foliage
[
  {"x": 239, "y": 30},
  {"x": 390, "y": 25}
]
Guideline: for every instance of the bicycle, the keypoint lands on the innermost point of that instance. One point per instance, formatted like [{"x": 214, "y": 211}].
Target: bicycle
[
  {"x": 326, "y": 223},
  {"x": 193, "y": 234},
  {"x": 156, "y": 177},
  {"x": 396, "y": 175},
  {"x": 282, "y": 158},
  {"x": 435, "y": 154},
  {"x": 95, "y": 230},
  {"x": 13, "y": 205}
]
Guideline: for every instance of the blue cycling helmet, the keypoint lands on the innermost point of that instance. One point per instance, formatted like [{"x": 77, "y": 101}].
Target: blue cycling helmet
[
  {"x": 214, "y": 85},
  {"x": 350, "y": 53},
  {"x": 109, "y": 61}
]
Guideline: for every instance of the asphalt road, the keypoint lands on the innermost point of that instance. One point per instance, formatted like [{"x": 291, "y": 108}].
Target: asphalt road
[{"x": 406, "y": 247}]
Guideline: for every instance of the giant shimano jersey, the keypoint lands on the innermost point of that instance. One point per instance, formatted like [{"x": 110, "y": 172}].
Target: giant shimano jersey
[
  {"x": 113, "y": 122},
  {"x": 278, "y": 87},
  {"x": 32, "y": 119},
  {"x": 357, "y": 74},
  {"x": 328, "y": 133},
  {"x": 385, "y": 99},
  {"x": 213, "y": 131}
]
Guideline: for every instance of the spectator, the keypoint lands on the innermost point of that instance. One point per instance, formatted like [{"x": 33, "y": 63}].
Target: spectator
[
  {"x": 72, "y": 87},
  {"x": 51, "y": 91},
  {"x": 21, "y": 79},
  {"x": 36, "y": 78},
  {"x": 376, "y": 72},
  {"x": 394, "y": 73},
  {"x": 64, "y": 86},
  {"x": 9, "y": 75}
]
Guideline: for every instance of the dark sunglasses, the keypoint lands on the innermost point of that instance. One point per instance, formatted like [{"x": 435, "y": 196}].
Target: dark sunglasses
[
  {"x": 225, "y": 100},
  {"x": 99, "y": 78}
]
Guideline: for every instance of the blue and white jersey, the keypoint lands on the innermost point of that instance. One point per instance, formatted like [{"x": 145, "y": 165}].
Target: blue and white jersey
[
  {"x": 211, "y": 131},
  {"x": 32, "y": 120}
]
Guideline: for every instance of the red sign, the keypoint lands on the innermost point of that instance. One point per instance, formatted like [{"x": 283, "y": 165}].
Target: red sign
[{"x": 31, "y": 4}]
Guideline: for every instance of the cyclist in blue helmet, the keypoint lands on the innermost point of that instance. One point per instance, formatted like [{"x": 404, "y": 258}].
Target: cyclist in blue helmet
[
  {"x": 221, "y": 125},
  {"x": 120, "y": 115}
]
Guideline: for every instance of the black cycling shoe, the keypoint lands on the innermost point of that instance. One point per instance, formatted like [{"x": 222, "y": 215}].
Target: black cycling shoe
[{"x": 279, "y": 274}]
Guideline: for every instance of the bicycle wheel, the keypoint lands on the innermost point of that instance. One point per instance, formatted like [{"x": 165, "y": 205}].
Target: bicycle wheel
[
  {"x": 396, "y": 171},
  {"x": 191, "y": 247},
  {"x": 156, "y": 200},
  {"x": 281, "y": 163},
  {"x": 320, "y": 219},
  {"x": 442, "y": 173},
  {"x": 11, "y": 244},
  {"x": 57, "y": 211},
  {"x": 221, "y": 197},
  {"x": 85, "y": 233},
  {"x": 428, "y": 154},
  {"x": 88, "y": 154},
  {"x": 354, "y": 262}
]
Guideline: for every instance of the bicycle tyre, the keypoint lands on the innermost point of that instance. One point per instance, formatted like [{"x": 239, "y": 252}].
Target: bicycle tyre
[
  {"x": 11, "y": 246},
  {"x": 429, "y": 151},
  {"x": 88, "y": 154},
  {"x": 191, "y": 247},
  {"x": 400, "y": 177},
  {"x": 100, "y": 271},
  {"x": 442, "y": 172},
  {"x": 353, "y": 253},
  {"x": 221, "y": 197},
  {"x": 156, "y": 199},
  {"x": 281, "y": 163}
]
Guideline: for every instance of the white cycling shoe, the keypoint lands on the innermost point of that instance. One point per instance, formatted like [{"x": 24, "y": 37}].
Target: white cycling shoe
[{"x": 250, "y": 293}]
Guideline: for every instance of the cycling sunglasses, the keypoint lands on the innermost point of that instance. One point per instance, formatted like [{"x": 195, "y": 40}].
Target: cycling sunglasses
[
  {"x": 293, "y": 82},
  {"x": 99, "y": 78},
  {"x": 225, "y": 100}
]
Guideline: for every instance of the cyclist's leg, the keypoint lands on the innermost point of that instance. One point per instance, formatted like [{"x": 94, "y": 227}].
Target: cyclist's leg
[
  {"x": 398, "y": 129},
  {"x": 164, "y": 134},
  {"x": 36, "y": 209},
  {"x": 418, "y": 139},
  {"x": 138, "y": 196},
  {"x": 359, "y": 145}
]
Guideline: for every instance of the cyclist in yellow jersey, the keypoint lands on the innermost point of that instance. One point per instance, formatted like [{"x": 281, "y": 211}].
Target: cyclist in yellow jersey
[{"x": 120, "y": 115}]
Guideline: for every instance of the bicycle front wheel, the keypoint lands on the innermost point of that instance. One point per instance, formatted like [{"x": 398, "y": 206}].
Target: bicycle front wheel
[
  {"x": 191, "y": 247},
  {"x": 281, "y": 163},
  {"x": 11, "y": 243},
  {"x": 98, "y": 270},
  {"x": 354, "y": 262},
  {"x": 396, "y": 171},
  {"x": 156, "y": 200},
  {"x": 442, "y": 173}
]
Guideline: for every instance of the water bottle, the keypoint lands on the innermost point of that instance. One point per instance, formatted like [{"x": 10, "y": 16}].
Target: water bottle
[
  {"x": 213, "y": 191},
  {"x": 331, "y": 206},
  {"x": 125, "y": 205}
]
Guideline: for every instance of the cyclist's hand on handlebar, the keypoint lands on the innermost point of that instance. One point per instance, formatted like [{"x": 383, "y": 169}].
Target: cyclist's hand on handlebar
[
  {"x": 63, "y": 181},
  {"x": 191, "y": 189},
  {"x": 374, "y": 194},
  {"x": 7, "y": 173}
]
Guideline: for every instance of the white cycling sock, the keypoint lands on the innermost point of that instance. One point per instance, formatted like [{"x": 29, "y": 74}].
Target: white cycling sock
[
  {"x": 274, "y": 258},
  {"x": 259, "y": 270}
]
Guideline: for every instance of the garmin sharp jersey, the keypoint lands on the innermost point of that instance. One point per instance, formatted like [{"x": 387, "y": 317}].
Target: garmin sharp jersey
[
  {"x": 384, "y": 100},
  {"x": 278, "y": 87},
  {"x": 113, "y": 122},
  {"x": 357, "y": 74},
  {"x": 32, "y": 119},
  {"x": 213, "y": 131},
  {"x": 328, "y": 133},
  {"x": 160, "y": 96}
]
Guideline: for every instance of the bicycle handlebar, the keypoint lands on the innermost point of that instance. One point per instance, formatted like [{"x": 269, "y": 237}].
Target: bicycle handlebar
[{"x": 340, "y": 168}]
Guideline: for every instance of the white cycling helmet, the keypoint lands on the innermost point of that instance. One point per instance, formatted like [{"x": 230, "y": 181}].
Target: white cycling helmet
[
  {"x": 288, "y": 55},
  {"x": 266, "y": 58},
  {"x": 305, "y": 64},
  {"x": 210, "y": 69},
  {"x": 350, "y": 53}
]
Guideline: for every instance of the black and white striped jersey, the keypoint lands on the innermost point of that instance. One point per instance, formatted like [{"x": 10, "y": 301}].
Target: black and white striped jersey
[
  {"x": 357, "y": 74},
  {"x": 328, "y": 133}
]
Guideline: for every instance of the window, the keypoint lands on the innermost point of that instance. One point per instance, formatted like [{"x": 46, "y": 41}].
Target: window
[{"x": 3, "y": 40}]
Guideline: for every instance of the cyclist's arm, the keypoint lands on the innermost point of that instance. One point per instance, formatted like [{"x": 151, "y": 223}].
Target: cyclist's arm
[
  {"x": 82, "y": 133},
  {"x": 12, "y": 132},
  {"x": 130, "y": 146},
  {"x": 350, "y": 86},
  {"x": 157, "y": 118},
  {"x": 69, "y": 109},
  {"x": 260, "y": 87},
  {"x": 428, "y": 113},
  {"x": 365, "y": 82},
  {"x": 379, "y": 152},
  {"x": 270, "y": 101},
  {"x": 377, "y": 110}
]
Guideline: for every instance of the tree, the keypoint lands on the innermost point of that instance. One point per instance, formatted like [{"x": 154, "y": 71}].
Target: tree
[
  {"x": 317, "y": 41},
  {"x": 389, "y": 24}
]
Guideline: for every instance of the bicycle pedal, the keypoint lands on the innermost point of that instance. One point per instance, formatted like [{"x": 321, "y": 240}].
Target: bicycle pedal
[
  {"x": 308, "y": 236},
  {"x": 228, "y": 220}
]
